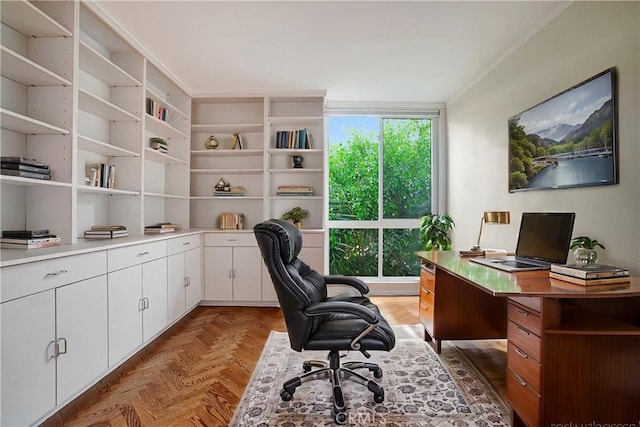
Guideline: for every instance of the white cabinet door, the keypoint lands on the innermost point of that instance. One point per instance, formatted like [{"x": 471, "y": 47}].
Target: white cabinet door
[
  {"x": 154, "y": 291},
  {"x": 314, "y": 257},
  {"x": 268, "y": 291},
  {"x": 218, "y": 270},
  {"x": 176, "y": 286},
  {"x": 81, "y": 322},
  {"x": 193, "y": 265},
  {"x": 28, "y": 370},
  {"x": 247, "y": 274},
  {"x": 125, "y": 312}
]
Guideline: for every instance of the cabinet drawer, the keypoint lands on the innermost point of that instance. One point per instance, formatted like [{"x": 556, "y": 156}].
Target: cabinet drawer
[
  {"x": 181, "y": 244},
  {"x": 230, "y": 239},
  {"x": 523, "y": 399},
  {"x": 425, "y": 313},
  {"x": 127, "y": 256},
  {"x": 534, "y": 303},
  {"x": 312, "y": 240},
  {"x": 427, "y": 279},
  {"x": 524, "y": 365},
  {"x": 26, "y": 279},
  {"x": 526, "y": 340},
  {"x": 525, "y": 317}
]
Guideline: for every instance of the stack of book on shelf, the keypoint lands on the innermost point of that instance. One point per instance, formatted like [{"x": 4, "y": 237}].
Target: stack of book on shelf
[
  {"x": 589, "y": 275},
  {"x": 100, "y": 175},
  {"x": 25, "y": 168},
  {"x": 156, "y": 110},
  {"x": 295, "y": 190},
  {"x": 232, "y": 191},
  {"x": 300, "y": 139},
  {"x": 28, "y": 239},
  {"x": 161, "y": 227},
  {"x": 159, "y": 144},
  {"x": 106, "y": 232}
]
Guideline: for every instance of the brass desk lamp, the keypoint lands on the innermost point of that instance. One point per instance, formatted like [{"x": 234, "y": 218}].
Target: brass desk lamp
[{"x": 491, "y": 217}]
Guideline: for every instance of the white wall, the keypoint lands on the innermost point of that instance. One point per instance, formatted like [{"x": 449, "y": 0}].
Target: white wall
[{"x": 585, "y": 39}]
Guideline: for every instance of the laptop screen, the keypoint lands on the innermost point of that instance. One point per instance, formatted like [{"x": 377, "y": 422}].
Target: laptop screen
[{"x": 545, "y": 236}]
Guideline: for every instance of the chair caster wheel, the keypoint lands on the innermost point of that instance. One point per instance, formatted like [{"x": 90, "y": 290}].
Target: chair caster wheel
[
  {"x": 285, "y": 395},
  {"x": 306, "y": 368},
  {"x": 340, "y": 418},
  {"x": 377, "y": 373},
  {"x": 378, "y": 398}
]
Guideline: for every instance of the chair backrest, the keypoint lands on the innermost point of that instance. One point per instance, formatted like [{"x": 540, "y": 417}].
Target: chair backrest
[{"x": 296, "y": 284}]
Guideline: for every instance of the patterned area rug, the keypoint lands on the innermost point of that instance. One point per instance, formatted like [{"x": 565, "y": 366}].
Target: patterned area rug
[{"x": 421, "y": 389}]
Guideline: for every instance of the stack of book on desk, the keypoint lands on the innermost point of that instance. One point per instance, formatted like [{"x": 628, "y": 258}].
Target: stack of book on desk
[
  {"x": 28, "y": 239},
  {"x": 589, "y": 274},
  {"x": 25, "y": 168},
  {"x": 106, "y": 232}
]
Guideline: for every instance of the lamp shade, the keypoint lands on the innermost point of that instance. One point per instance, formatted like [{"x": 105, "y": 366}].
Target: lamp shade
[{"x": 497, "y": 217}]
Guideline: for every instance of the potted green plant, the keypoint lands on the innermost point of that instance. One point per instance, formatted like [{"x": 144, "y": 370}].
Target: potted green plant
[
  {"x": 435, "y": 231},
  {"x": 585, "y": 249},
  {"x": 297, "y": 215}
]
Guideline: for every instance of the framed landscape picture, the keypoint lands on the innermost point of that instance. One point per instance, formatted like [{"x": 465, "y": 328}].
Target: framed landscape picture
[{"x": 569, "y": 140}]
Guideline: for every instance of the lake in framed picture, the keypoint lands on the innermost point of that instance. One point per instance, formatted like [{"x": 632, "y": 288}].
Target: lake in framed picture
[{"x": 568, "y": 140}]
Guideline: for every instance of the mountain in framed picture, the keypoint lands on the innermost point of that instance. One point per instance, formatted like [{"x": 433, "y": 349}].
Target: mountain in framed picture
[{"x": 569, "y": 140}]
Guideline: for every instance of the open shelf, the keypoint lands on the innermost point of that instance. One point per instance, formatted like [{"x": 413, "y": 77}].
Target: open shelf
[
  {"x": 27, "y": 19},
  {"x": 26, "y": 72},
  {"x": 101, "y": 108},
  {"x": 103, "y": 69},
  {"x": 27, "y": 125},
  {"x": 104, "y": 148},
  {"x": 112, "y": 191},
  {"x": 30, "y": 182},
  {"x": 156, "y": 156}
]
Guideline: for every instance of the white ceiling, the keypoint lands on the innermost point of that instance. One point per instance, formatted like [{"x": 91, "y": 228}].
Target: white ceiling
[{"x": 416, "y": 51}]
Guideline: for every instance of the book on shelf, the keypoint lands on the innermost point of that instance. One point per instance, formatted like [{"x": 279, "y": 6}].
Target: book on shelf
[
  {"x": 589, "y": 282},
  {"x": 25, "y": 174},
  {"x": 156, "y": 110},
  {"x": 105, "y": 234},
  {"x": 295, "y": 190},
  {"x": 159, "y": 144},
  {"x": 589, "y": 271},
  {"x": 37, "y": 243},
  {"x": 293, "y": 139},
  {"x": 26, "y": 168},
  {"x": 108, "y": 227},
  {"x": 233, "y": 191},
  {"x": 594, "y": 288},
  {"x": 26, "y": 234},
  {"x": 161, "y": 227},
  {"x": 100, "y": 175},
  {"x": 237, "y": 142},
  {"x": 23, "y": 161}
]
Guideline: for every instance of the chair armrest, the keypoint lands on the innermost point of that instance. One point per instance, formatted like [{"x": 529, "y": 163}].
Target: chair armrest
[
  {"x": 328, "y": 307},
  {"x": 347, "y": 280}
]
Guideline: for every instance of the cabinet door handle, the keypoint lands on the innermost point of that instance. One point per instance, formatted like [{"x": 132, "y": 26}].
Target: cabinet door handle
[
  {"x": 522, "y": 312},
  {"x": 524, "y": 331},
  {"x": 522, "y": 353},
  {"x": 146, "y": 303},
  {"x": 233, "y": 275},
  {"x": 141, "y": 304},
  {"x": 64, "y": 340},
  {"x": 520, "y": 380},
  {"x": 186, "y": 243},
  {"x": 52, "y": 350},
  {"x": 57, "y": 273},
  {"x": 143, "y": 253},
  {"x": 232, "y": 240},
  {"x": 187, "y": 281}
]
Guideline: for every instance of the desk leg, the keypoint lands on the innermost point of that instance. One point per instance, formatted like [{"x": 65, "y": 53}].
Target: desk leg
[{"x": 437, "y": 344}]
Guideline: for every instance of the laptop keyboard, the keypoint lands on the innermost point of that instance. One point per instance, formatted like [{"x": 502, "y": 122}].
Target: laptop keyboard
[{"x": 517, "y": 264}]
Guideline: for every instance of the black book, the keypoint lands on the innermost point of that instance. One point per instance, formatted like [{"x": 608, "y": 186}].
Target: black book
[
  {"x": 23, "y": 161},
  {"x": 26, "y": 168},
  {"x": 24, "y": 174},
  {"x": 26, "y": 234}
]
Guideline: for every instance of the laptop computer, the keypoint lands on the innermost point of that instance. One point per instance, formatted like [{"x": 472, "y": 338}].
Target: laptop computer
[{"x": 544, "y": 239}]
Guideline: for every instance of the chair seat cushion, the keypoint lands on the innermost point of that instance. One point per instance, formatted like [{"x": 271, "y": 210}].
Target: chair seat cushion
[{"x": 336, "y": 331}]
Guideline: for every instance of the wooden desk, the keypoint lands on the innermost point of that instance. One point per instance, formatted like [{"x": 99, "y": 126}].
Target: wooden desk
[{"x": 573, "y": 355}]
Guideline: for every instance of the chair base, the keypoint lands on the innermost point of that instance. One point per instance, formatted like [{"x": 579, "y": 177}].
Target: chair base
[{"x": 335, "y": 372}]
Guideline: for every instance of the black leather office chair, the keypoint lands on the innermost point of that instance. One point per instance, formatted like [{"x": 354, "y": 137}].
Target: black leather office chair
[{"x": 317, "y": 322}]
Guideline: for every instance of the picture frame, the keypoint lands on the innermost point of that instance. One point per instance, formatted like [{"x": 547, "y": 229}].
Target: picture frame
[{"x": 568, "y": 140}]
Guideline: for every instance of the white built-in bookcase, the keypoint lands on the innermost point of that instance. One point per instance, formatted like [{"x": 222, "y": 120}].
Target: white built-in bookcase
[
  {"x": 259, "y": 167},
  {"x": 74, "y": 92}
]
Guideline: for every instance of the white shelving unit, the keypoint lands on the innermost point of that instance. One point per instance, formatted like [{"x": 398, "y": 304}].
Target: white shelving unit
[{"x": 37, "y": 113}]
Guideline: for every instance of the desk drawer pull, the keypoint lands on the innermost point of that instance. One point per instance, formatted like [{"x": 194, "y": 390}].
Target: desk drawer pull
[
  {"x": 186, "y": 243},
  {"x": 56, "y": 273},
  {"x": 522, "y": 382},
  {"x": 522, "y": 312},
  {"x": 522, "y": 353},
  {"x": 524, "y": 331},
  {"x": 143, "y": 253}
]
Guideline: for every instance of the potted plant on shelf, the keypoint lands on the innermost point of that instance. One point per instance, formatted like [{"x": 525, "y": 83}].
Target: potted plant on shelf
[
  {"x": 585, "y": 249},
  {"x": 435, "y": 231},
  {"x": 297, "y": 215}
]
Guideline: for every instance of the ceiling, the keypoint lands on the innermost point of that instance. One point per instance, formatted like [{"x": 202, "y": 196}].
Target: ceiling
[{"x": 413, "y": 51}]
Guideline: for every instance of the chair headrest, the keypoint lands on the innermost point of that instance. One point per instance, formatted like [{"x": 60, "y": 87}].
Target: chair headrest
[{"x": 288, "y": 235}]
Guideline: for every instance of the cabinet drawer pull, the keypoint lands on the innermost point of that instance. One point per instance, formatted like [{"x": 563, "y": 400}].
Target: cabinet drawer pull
[
  {"x": 64, "y": 340},
  {"x": 186, "y": 243},
  {"x": 524, "y": 331},
  {"x": 143, "y": 253},
  {"x": 522, "y": 312},
  {"x": 56, "y": 273},
  {"x": 520, "y": 380},
  {"x": 522, "y": 353}
]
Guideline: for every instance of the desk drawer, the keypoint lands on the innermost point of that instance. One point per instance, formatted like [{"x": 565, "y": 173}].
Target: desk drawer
[
  {"x": 523, "y": 399},
  {"x": 26, "y": 279},
  {"x": 524, "y": 339},
  {"x": 181, "y": 244},
  {"x": 127, "y": 256},
  {"x": 534, "y": 303},
  {"x": 524, "y": 365},
  {"x": 530, "y": 320},
  {"x": 425, "y": 313},
  {"x": 230, "y": 239},
  {"x": 427, "y": 279}
]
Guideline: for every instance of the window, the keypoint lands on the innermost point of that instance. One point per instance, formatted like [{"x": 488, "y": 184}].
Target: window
[{"x": 380, "y": 183}]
